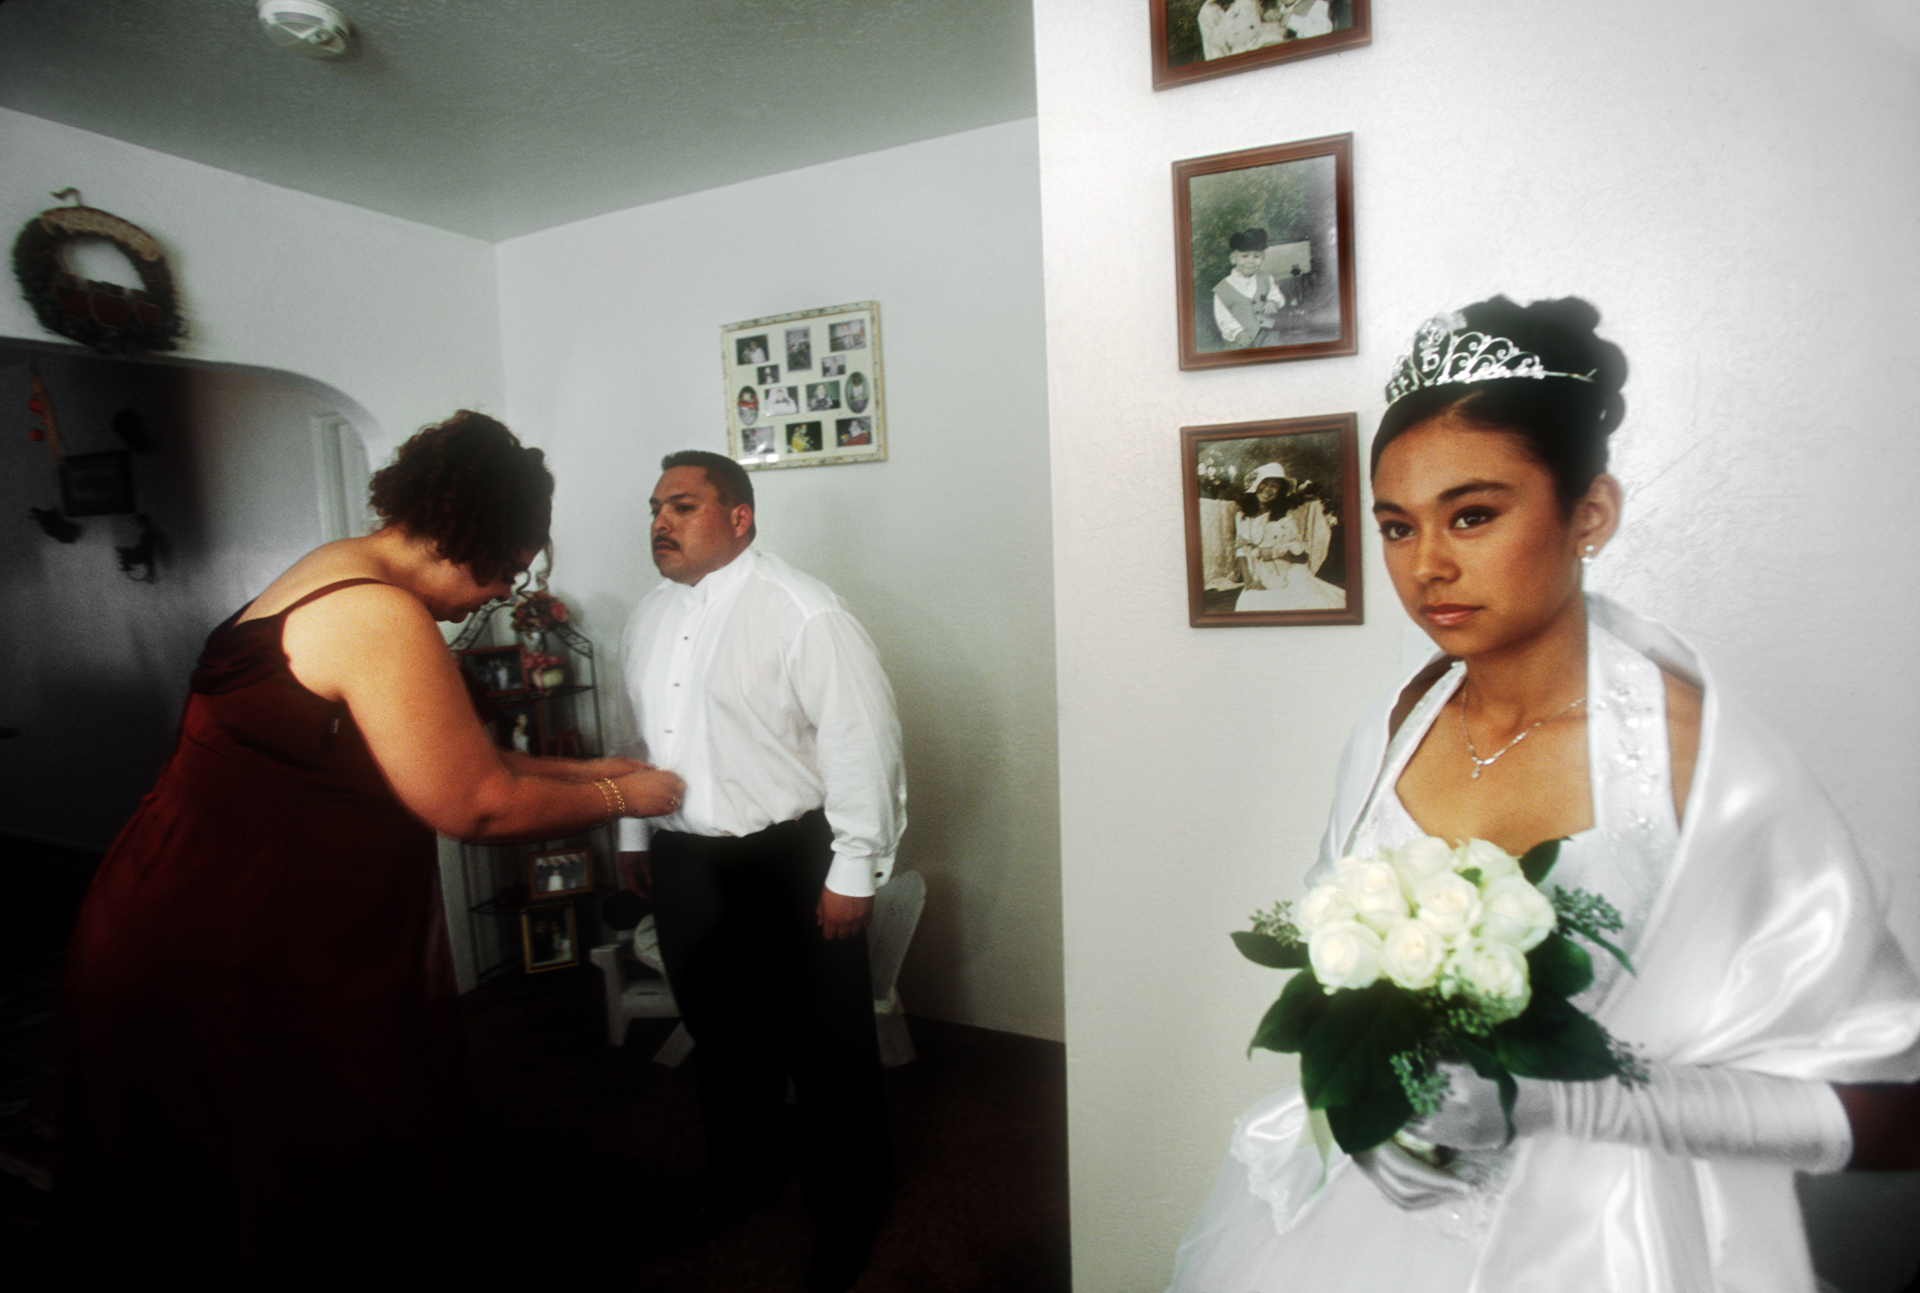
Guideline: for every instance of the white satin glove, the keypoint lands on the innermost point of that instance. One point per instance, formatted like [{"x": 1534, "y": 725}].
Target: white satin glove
[
  {"x": 1408, "y": 1183},
  {"x": 1690, "y": 1111}
]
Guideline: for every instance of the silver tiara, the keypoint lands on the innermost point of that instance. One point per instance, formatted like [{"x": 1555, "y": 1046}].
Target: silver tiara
[{"x": 1444, "y": 354}]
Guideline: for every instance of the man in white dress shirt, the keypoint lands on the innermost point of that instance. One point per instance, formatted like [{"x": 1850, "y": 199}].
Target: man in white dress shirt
[{"x": 755, "y": 683}]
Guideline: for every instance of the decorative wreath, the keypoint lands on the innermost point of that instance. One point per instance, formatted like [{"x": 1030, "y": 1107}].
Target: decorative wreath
[{"x": 104, "y": 316}]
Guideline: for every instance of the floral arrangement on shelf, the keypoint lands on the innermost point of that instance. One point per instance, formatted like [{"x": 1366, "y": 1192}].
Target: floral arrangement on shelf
[
  {"x": 1426, "y": 953},
  {"x": 538, "y": 611},
  {"x": 545, "y": 669}
]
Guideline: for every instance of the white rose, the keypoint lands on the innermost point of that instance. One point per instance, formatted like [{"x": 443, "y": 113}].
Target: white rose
[
  {"x": 1422, "y": 858},
  {"x": 1344, "y": 954},
  {"x": 1490, "y": 860},
  {"x": 1374, "y": 890},
  {"x": 1450, "y": 904},
  {"x": 1492, "y": 974},
  {"x": 1412, "y": 955},
  {"x": 1323, "y": 904},
  {"x": 1513, "y": 911}
]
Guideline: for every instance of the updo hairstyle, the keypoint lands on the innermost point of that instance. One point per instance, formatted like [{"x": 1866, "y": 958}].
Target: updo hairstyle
[
  {"x": 468, "y": 485},
  {"x": 1562, "y": 422}
]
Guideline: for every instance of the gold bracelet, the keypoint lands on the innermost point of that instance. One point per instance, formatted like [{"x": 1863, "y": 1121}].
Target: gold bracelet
[{"x": 610, "y": 794}]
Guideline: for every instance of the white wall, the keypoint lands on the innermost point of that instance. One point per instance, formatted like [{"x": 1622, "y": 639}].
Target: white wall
[
  {"x": 1733, "y": 185},
  {"x": 397, "y": 318},
  {"x": 610, "y": 330}
]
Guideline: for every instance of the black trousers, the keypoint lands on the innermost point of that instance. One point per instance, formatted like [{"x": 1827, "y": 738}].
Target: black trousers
[{"x": 767, "y": 998}]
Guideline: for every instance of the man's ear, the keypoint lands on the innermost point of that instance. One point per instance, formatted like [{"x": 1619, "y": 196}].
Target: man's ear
[{"x": 742, "y": 518}]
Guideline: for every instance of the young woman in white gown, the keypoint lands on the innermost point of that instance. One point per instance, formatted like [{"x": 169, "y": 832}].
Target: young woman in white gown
[{"x": 1779, "y": 1020}]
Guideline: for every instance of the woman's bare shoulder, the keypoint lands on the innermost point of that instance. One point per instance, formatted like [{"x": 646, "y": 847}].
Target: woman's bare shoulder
[
  {"x": 1683, "y": 736},
  {"x": 328, "y": 564}
]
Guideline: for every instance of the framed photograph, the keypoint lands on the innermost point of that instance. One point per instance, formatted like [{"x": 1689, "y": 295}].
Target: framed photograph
[
  {"x": 556, "y": 875},
  {"x": 1263, "y": 254},
  {"x": 804, "y": 389},
  {"x": 1273, "y": 522},
  {"x": 96, "y": 484},
  {"x": 499, "y": 671},
  {"x": 1197, "y": 39},
  {"x": 548, "y": 940}
]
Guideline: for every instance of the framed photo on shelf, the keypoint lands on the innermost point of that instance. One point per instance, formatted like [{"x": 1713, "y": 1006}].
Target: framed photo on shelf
[
  {"x": 1273, "y": 522},
  {"x": 1263, "y": 254},
  {"x": 804, "y": 389},
  {"x": 559, "y": 874},
  {"x": 548, "y": 940},
  {"x": 500, "y": 671},
  {"x": 1197, "y": 39}
]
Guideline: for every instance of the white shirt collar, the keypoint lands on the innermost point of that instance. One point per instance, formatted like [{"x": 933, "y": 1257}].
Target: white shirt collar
[{"x": 719, "y": 582}]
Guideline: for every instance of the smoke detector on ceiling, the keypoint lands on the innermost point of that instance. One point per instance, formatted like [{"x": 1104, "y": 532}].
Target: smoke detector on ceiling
[{"x": 312, "y": 27}]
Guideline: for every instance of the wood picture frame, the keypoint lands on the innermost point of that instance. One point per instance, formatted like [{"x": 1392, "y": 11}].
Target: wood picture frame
[
  {"x": 1285, "y": 553},
  {"x": 805, "y": 389},
  {"x": 1239, "y": 35},
  {"x": 549, "y": 939},
  {"x": 559, "y": 873},
  {"x": 1293, "y": 203}
]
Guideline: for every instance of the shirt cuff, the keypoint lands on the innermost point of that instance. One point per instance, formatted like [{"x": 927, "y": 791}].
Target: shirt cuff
[
  {"x": 852, "y": 877},
  {"x": 634, "y": 834}
]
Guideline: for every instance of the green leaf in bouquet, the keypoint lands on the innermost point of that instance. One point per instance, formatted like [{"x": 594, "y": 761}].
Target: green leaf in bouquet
[
  {"x": 1265, "y": 949},
  {"x": 1347, "y": 1058},
  {"x": 1366, "y": 1125},
  {"x": 1559, "y": 967},
  {"x": 1285, "y": 1026},
  {"x": 1554, "y": 1040},
  {"x": 1538, "y": 860}
]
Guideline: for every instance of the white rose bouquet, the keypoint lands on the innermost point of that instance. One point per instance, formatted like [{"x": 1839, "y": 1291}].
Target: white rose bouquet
[{"x": 1431, "y": 952}]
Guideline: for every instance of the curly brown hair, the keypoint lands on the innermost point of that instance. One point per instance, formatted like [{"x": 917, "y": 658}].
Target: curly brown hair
[{"x": 470, "y": 486}]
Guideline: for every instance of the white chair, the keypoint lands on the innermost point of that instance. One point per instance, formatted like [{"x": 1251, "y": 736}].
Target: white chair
[{"x": 632, "y": 994}]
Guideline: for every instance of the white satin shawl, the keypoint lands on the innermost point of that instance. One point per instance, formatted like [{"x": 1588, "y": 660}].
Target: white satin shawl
[{"x": 1763, "y": 947}]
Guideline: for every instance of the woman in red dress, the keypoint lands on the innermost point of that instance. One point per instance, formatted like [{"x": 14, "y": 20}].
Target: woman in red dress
[{"x": 262, "y": 1058}]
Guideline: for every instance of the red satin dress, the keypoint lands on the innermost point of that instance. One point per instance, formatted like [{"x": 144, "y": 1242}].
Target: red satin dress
[{"x": 263, "y": 1063}]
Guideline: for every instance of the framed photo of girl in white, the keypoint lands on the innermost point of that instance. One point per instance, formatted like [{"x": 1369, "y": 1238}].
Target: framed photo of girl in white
[{"x": 1272, "y": 515}]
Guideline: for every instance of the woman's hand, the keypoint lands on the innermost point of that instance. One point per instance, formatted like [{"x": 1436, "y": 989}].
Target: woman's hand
[{"x": 651, "y": 792}]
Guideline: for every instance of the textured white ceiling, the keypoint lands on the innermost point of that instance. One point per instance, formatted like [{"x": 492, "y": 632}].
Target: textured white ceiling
[{"x": 498, "y": 117}]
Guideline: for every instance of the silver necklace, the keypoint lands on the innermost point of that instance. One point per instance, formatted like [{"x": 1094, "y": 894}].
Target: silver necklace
[{"x": 1481, "y": 765}]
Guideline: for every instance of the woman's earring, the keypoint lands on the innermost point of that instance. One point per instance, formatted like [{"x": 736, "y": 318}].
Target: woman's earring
[{"x": 1586, "y": 556}]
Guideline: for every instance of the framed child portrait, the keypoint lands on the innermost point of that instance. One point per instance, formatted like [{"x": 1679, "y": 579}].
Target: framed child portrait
[
  {"x": 1197, "y": 39},
  {"x": 804, "y": 389},
  {"x": 1273, "y": 522},
  {"x": 499, "y": 671},
  {"x": 1263, "y": 254}
]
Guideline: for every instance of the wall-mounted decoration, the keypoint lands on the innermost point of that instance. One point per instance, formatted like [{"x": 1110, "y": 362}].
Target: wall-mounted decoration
[
  {"x": 557, "y": 874},
  {"x": 1273, "y": 522},
  {"x": 804, "y": 390},
  {"x": 96, "y": 484},
  {"x": 547, "y": 938},
  {"x": 1196, "y": 39},
  {"x": 1263, "y": 254},
  {"x": 106, "y": 316}
]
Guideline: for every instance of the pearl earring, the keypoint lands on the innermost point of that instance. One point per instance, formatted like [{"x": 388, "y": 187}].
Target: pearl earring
[{"x": 1586, "y": 556}]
